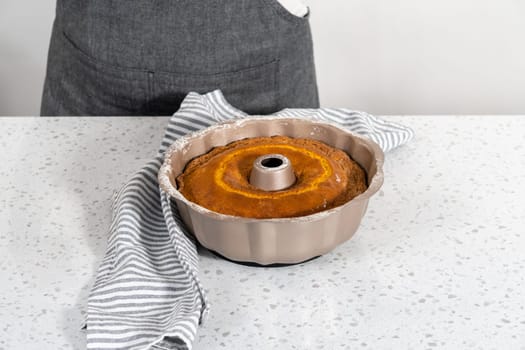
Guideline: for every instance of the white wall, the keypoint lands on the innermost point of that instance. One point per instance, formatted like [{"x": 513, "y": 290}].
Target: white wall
[
  {"x": 385, "y": 57},
  {"x": 421, "y": 57},
  {"x": 25, "y": 28}
]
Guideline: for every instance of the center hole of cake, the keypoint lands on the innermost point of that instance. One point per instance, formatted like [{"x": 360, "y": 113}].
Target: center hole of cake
[{"x": 272, "y": 162}]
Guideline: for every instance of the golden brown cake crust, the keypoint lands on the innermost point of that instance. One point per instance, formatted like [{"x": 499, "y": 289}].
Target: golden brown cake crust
[{"x": 219, "y": 180}]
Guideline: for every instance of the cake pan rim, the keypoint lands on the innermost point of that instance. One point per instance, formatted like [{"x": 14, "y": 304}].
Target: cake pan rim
[{"x": 165, "y": 169}]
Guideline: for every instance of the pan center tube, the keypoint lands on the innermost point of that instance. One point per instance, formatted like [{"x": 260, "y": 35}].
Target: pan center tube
[{"x": 272, "y": 172}]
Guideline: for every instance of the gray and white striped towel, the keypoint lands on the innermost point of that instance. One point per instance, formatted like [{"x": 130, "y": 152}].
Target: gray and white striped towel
[{"x": 147, "y": 293}]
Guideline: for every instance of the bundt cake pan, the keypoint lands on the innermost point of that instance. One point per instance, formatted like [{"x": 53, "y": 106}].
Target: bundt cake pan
[{"x": 272, "y": 241}]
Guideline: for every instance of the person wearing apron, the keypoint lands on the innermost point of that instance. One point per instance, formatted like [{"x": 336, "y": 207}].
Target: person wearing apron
[{"x": 141, "y": 57}]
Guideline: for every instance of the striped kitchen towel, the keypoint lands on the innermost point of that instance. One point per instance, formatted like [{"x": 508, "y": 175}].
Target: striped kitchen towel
[{"x": 147, "y": 293}]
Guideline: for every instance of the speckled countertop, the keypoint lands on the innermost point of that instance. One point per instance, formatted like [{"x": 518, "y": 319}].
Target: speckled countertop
[{"x": 439, "y": 261}]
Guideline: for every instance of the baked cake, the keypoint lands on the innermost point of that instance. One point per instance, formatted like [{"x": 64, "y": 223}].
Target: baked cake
[{"x": 326, "y": 177}]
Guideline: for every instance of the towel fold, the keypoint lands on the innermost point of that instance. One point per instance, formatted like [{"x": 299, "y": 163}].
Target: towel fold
[{"x": 147, "y": 293}]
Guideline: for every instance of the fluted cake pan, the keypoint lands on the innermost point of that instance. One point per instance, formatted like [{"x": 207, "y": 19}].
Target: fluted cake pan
[{"x": 279, "y": 240}]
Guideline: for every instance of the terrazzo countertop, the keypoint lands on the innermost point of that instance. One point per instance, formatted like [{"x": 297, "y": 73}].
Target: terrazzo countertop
[{"x": 439, "y": 261}]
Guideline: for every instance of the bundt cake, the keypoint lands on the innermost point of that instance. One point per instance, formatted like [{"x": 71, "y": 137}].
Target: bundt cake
[{"x": 326, "y": 177}]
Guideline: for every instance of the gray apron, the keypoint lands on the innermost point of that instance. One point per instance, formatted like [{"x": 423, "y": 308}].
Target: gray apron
[{"x": 141, "y": 57}]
